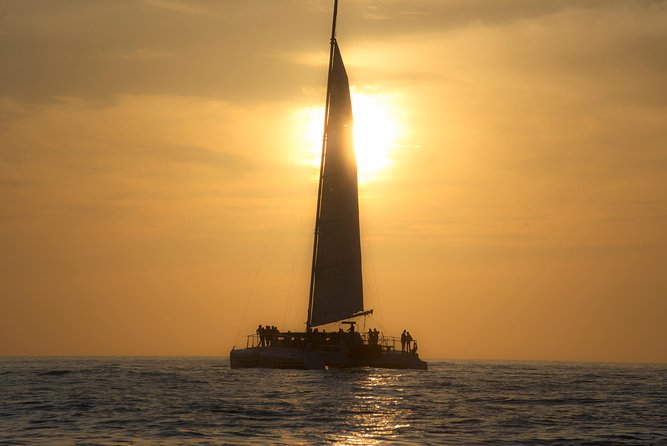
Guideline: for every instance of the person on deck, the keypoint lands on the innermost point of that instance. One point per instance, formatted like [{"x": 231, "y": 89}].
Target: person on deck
[
  {"x": 408, "y": 340},
  {"x": 274, "y": 333},
  {"x": 403, "y": 339},
  {"x": 260, "y": 333},
  {"x": 268, "y": 335},
  {"x": 340, "y": 336}
]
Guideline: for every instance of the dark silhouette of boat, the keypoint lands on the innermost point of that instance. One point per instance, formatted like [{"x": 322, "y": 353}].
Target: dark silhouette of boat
[{"x": 336, "y": 287}]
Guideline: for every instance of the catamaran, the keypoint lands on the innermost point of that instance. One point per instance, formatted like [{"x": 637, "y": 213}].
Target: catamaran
[{"x": 336, "y": 284}]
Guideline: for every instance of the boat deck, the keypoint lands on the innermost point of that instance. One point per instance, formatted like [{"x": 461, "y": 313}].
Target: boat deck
[{"x": 319, "y": 350}]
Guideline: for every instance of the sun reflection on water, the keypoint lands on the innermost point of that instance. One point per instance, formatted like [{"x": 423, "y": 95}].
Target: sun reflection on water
[{"x": 376, "y": 412}]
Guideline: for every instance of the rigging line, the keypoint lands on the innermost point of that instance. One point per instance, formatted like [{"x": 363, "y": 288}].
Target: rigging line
[
  {"x": 300, "y": 243},
  {"x": 377, "y": 290},
  {"x": 254, "y": 287},
  {"x": 298, "y": 248},
  {"x": 370, "y": 257},
  {"x": 271, "y": 235}
]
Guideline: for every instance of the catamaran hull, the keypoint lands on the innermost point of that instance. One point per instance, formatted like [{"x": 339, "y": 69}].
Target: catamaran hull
[{"x": 293, "y": 358}]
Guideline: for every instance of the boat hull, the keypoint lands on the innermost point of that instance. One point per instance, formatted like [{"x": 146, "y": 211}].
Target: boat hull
[{"x": 296, "y": 358}]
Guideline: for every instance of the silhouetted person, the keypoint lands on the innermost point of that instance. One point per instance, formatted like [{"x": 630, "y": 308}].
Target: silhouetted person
[
  {"x": 274, "y": 332},
  {"x": 414, "y": 348},
  {"x": 403, "y": 340},
  {"x": 260, "y": 333},
  {"x": 408, "y": 340}
]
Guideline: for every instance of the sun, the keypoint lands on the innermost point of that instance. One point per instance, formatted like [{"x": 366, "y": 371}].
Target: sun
[{"x": 377, "y": 130}]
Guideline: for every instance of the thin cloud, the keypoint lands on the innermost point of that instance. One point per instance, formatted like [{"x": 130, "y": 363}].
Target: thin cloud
[
  {"x": 177, "y": 6},
  {"x": 139, "y": 54},
  {"x": 308, "y": 58}
]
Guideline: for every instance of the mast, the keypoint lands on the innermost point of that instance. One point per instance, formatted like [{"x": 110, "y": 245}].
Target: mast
[{"x": 324, "y": 146}]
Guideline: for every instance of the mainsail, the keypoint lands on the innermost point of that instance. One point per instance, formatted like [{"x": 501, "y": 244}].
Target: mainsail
[{"x": 336, "y": 283}]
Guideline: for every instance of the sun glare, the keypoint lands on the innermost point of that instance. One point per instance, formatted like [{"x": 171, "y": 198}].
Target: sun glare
[{"x": 376, "y": 133}]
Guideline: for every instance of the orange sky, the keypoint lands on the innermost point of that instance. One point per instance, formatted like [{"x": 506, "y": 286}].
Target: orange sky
[{"x": 158, "y": 187}]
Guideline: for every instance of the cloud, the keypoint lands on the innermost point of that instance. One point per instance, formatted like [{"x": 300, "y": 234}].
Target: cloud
[
  {"x": 77, "y": 49},
  {"x": 139, "y": 54},
  {"x": 177, "y": 6}
]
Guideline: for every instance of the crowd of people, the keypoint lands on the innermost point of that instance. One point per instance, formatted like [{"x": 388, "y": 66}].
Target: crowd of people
[{"x": 269, "y": 336}]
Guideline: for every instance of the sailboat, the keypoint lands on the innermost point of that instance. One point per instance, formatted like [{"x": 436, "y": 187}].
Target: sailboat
[{"x": 336, "y": 285}]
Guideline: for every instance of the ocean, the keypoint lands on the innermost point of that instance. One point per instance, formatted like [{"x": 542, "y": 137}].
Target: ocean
[{"x": 180, "y": 401}]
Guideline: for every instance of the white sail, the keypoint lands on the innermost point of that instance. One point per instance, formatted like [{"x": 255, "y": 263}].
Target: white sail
[{"x": 337, "y": 289}]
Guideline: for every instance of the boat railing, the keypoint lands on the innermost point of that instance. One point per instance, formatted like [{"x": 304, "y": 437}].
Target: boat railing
[
  {"x": 251, "y": 340},
  {"x": 390, "y": 343},
  {"x": 276, "y": 339},
  {"x": 327, "y": 341},
  {"x": 394, "y": 344}
]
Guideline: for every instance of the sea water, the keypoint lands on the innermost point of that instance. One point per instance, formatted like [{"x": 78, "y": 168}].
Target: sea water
[{"x": 201, "y": 401}]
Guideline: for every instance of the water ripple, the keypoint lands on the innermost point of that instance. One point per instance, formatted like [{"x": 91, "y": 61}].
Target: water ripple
[{"x": 202, "y": 401}]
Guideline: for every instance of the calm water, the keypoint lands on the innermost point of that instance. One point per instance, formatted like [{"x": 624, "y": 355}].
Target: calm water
[{"x": 202, "y": 401}]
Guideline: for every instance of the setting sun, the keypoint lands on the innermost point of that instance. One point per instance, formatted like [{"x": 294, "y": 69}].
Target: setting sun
[{"x": 377, "y": 130}]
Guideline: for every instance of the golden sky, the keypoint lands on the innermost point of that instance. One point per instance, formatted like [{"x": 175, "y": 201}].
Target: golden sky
[{"x": 158, "y": 173}]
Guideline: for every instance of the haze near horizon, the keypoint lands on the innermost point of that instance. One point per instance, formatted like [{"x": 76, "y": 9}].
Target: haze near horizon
[{"x": 158, "y": 166}]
